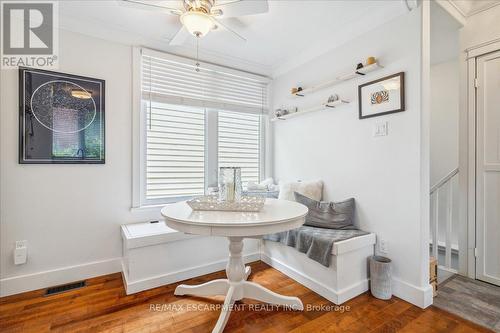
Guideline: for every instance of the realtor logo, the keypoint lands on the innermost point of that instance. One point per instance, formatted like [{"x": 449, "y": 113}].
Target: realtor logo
[{"x": 29, "y": 34}]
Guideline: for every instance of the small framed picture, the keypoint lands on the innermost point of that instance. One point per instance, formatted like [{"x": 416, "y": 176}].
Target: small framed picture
[
  {"x": 382, "y": 96},
  {"x": 61, "y": 119}
]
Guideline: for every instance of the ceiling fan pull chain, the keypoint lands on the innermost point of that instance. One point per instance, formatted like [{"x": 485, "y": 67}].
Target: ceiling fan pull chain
[{"x": 197, "y": 53}]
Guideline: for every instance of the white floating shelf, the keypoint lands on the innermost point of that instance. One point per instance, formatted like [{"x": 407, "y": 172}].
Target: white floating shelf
[
  {"x": 339, "y": 79},
  {"x": 331, "y": 105}
]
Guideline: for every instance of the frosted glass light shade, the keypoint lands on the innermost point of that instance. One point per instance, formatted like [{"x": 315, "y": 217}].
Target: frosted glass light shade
[{"x": 197, "y": 23}]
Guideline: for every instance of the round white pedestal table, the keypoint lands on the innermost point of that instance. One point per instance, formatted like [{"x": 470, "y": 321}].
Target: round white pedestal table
[{"x": 276, "y": 216}]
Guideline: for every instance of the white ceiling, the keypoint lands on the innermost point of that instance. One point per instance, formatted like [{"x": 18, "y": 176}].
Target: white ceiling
[
  {"x": 292, "y": 32},
  {"x": 470, "y": 7}
]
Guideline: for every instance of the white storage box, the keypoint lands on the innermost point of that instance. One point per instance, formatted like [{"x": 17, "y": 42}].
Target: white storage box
[
  {"x": 346, "y": 277},
  {"x": 155, "y": 255}
]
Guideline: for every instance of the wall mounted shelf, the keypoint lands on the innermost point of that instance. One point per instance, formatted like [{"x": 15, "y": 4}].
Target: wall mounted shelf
[
  {"x": 331, "y": 105},
  {"x": 342, "y": 78}
]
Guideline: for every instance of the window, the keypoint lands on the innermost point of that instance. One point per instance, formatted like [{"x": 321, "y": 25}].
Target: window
[
  {"x": 175, "y": 163},
  {"x": 239, "y": 143},
  {"x": 191, "y": 123}
]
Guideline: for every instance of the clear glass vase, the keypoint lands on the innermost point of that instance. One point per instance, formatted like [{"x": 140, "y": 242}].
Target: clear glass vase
[{"x": 230, "y": 188}]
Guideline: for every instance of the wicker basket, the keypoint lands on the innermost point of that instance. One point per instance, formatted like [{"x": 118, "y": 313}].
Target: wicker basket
[{"x": 380, "y": 277}]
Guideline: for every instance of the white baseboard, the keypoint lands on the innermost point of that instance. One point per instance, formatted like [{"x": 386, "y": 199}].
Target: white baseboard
[
  {"x": 54, "y": 277},
  {"x": 421, "y": 297},
  {"x": 335, "y": 296},
  {"x": 164, "y": 279}
]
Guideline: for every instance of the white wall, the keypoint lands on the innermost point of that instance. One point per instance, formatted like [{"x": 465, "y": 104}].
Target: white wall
[
  {"x": 481, "y": 28},
  {"x": 69, "y": 214},
  {"x": 383, "y": 173},
  {"x": 444, "y": 119}
]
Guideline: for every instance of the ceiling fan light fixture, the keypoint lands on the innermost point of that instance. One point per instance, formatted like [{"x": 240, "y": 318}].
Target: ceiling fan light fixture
[{"x": 197, "y": 23}]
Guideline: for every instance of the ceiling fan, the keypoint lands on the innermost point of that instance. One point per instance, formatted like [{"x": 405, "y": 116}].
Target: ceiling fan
[{"x": 199, "y": 17}]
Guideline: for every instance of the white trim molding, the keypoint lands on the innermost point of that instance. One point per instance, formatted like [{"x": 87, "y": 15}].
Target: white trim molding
[
  {"x": 335, "y": 296},
  {"x": 58, "y": 276},
  {"x": 466, "y": 13},
  {"x": 421, "y": 297},
  {"x": 168, "y": 278},
  {"x": 483, "y": 48}
]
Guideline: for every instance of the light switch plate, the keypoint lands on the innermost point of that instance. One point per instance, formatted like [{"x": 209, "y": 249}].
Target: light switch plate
[
  {"x": 383, "y": 247},
  {"x": 381, "y": 128}
]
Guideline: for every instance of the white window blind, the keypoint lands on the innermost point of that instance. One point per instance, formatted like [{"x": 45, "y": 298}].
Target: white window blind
[
  {"x": 175, "y": 164},
  {"x": 171, "y": 79},
  {"x": 239, "y": 143},
  {"x": 194, "y": 122}
]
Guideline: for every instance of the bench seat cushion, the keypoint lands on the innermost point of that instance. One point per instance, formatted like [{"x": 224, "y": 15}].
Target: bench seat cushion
[{"x": 315, "y": 242}]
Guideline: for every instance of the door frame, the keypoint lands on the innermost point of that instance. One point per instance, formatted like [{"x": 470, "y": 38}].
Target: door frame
[{"x": 467, "y": 155}]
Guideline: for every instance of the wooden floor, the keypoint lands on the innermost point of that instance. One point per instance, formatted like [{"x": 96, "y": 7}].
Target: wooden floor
[{"x": 103, "y": 306}]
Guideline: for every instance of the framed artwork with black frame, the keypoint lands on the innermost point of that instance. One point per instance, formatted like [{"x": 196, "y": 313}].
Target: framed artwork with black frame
[
  {"x": 61, "y": 118},
  {"x": 382, "y": 96}
]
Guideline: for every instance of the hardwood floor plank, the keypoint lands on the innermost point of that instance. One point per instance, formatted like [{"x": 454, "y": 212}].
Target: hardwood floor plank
[{"x": 103, "y": 306}]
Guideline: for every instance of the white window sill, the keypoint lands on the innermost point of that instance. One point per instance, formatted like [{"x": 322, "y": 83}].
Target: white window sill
[
  {"x": 147, "y": 208},
  {"x": 155, "y": 208},
  {"x": 149, "y": 234}
]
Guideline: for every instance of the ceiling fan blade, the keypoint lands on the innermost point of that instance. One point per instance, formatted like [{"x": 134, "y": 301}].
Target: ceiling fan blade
[
  {"x": 225, "y": 26},
  {"x": 180, "y": 37},
  {"x": 150, "y": 6},
  {"x": 243, "y": 7},
  {"x": 236, "y": 23}
]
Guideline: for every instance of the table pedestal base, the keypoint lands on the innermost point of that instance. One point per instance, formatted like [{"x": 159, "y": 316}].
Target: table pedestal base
[{"x": 236, "y": 287}]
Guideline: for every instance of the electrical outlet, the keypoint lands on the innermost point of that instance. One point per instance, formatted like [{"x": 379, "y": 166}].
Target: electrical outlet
[
  {"x": 383, "y": 247},
  {"x": 21, "y": 252},
  {"x": 22, "y": 243}
]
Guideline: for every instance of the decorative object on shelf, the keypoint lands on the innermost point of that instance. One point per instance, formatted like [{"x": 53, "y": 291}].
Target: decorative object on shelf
[
  {"x": 332, "y": 98},
  {"x": 382, "y": 96},
  {"x": 380, "y": 277},
  {"x": 370, "y": 61},
  {"x": 230, "y": 187},
  {"x": 212, "y": 202},
  {"x": 279, "y": 113},
  {"x": 328, "y": 105},
  {"x": 295, "y": 90},
  {"x": 61, "y": 118},
  {"x": 363, "y": 70}
]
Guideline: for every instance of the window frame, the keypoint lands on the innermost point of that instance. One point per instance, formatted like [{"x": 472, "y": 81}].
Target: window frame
[{"x": 139, "y": 142}]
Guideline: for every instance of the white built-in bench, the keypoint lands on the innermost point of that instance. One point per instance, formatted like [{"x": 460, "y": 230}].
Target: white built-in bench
[
  {"x": 155, "y": 255},
  {"x": 347, "y": 276}
]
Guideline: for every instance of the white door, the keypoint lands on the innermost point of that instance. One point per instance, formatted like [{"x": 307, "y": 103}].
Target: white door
[{"x": 488, "y": 168}]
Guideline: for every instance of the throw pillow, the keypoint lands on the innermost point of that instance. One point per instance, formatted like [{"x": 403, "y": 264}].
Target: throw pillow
[
  {"x": 330, "y": 215},
  {"x": 311, "y": 189}
]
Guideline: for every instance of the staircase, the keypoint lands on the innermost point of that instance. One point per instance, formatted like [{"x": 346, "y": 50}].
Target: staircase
[{"x": 444, "y": 222}]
